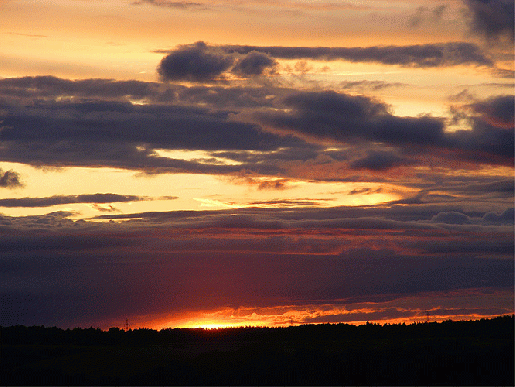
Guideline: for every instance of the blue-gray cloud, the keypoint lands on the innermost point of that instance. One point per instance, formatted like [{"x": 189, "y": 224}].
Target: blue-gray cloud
[
  {"x": 254, "y": 63},
  {"x": 202, "y": 63},
  {"x": 347, "y": 118},
  {"x": 492, "y": 19},
  {"x": 57, "y": 271},
  {"x": 380, "y": 161},
  {"x": 194, "y": 63}
]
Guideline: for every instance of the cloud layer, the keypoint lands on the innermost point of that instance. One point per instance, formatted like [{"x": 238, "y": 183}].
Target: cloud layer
[
  {"x": 259, "y": 129},
  {"x": 182, "y": 261}
]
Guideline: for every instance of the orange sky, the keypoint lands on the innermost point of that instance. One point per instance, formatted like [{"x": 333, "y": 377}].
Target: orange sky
[{"x": 373, "y": 138}]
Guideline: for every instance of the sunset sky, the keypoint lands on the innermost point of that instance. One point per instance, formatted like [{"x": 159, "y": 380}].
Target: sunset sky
[{"x": 224, "y": 163}]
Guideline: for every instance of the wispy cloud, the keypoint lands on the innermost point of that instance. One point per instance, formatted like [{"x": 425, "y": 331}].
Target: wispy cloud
[
  {"x": 69, "y": 199},
  {"x": 171, "y": 4}
]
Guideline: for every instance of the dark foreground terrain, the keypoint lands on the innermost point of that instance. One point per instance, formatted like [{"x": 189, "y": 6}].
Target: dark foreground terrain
[{"x": 448, "y": 353}]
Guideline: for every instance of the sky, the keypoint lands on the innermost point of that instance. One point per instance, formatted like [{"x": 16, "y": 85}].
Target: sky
[{"x": 218, "y": 163}]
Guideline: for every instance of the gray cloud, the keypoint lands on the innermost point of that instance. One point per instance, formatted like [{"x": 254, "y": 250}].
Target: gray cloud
[
  {"x": 194, "y": 63},
  {"x": 125, "y": 135},
  {"x": 344, "y": 117},
  {"x": 202, "y": 63},
  {"x": 380, "y": 161},
  {"x": 498, "y": 110},
  {"x": 506, "y": 216},
  {"x": 98, "y": 125},
  {"x": 25, "y": 90},
  {"x": 9, "y": 179},
  {"x": 501, "y": 188},
  {"x": 69, "y": 199},
  {"x": 254, "y": 63},
  {"x": 370, "y": 85},
  {"x": 348, "y": 118},
  {"x": 492, "y": 19},
  {"x": 450, "y": 218},
  {"x": 424, "y": 55}
]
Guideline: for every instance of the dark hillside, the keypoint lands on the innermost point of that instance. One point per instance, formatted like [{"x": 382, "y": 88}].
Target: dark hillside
[{"x": 448, "y": 353}]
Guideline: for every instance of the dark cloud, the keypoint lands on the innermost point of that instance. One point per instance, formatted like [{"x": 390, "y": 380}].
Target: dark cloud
[
  {"x": 370, "y": 85},
  {"x": 380, "y": 161},
  {"x": 125, "y": 135},
  {"x": 451, "y": 218},
  {"x": 290, "y": 202},
  {"x": 348, "y": 118},
  {"x": 365, "y": 191},
  {"x": 98, "y": 125},
  {"x": 254, "y": 63},
  {"x": 501, "y": 188},
  {"x": 503, "y": 73},
  {"x": 73, "y": 270},
  {"x": 194, "y": 63},
  {"x": 344, "y": 117},
  {"x": 50, "y": 86},
  {"x": 423, "y": 216},
  {"x": 497, "y": 111},
  {"x": 9, "y": 179},
  {"x": 202, "y": 63},
  {"x": 474, "y": 248},
  {"x": 424, "y": 55},
  {"x": 485, "y": 143},
  {"x": 69, "y": 199},
  {"x": 506, "y": 216},
  {"x": 100, "y": 271},
  {"x": 27, "y": 89},
  {"x": 492, "y": 19}
]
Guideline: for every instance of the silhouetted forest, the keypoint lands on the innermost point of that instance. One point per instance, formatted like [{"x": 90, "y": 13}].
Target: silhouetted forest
[{"x": 448, "y": 353}]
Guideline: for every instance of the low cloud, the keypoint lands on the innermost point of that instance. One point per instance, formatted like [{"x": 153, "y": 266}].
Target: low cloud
[{"x": 265, "y": 130}]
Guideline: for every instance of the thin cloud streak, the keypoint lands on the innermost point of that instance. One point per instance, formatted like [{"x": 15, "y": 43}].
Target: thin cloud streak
[
  {"x": 423, "y": 56},
  {"x": 69, "y": 199}
]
